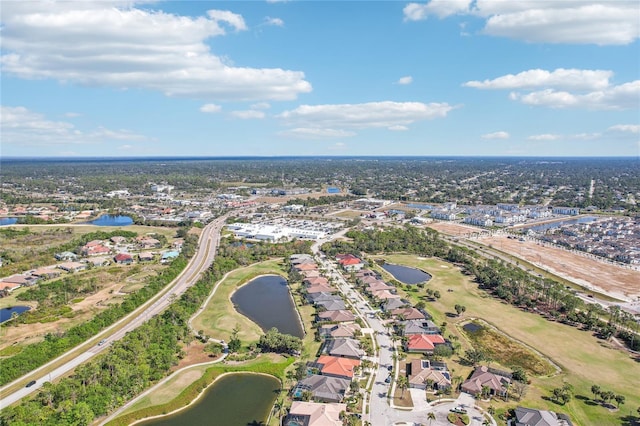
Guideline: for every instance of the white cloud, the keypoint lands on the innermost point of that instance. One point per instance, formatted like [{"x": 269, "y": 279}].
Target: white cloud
[
  {"x": 569, "y": 21},
  {"x": 276, "y": 22},
  {"x": 566, "y": 88},
  {"x": 563, "y": 78},
  {"x": 398, "y": 128},
  {"x": 261, "y": 105},
  {"x": 405, "y": 80},
  {"x": 248, "y": 114},
  {"x": 624, "y": 96},
  {"x": 116, "y": 45},
  {"x": 22, "y": 126},
  {"x": 313, "y": 133},
  {"x": 496, "y": 135},
  {"x": 545, "y": 137},
  {"x": 233, "y": 19},
  {"x": 365, "y": 115},
  {"x": 210, "y": 108},
  {"x": 576, "y": 22},
  {"x": 72, "y": 114},
  {"x": 626, "y": 128},
  {"x": 440, "y": 8}
]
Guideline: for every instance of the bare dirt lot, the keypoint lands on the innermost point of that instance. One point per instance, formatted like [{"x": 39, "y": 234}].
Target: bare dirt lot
[
  {"x": 617, "y": 281},
  {"x": 591, "y": 273},
  {"x": 453, "y": 228}
]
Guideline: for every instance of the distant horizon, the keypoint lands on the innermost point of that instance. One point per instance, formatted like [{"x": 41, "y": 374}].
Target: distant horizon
[{"x": 265, "y": 157}]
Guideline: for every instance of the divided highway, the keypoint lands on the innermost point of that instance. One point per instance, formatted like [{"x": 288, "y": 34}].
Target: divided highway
[{"x": 201, "y": 260}]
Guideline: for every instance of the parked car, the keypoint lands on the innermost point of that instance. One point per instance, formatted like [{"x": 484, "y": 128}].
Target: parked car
[
  {"x": 458, "y": 410},
  {"x": 31, "y": 383},
  {"x": 102, "y": 342},
  {"x": 388, "y": 379}
]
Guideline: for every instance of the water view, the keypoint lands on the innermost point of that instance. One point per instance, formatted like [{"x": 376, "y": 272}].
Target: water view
[
  {"x": 406, "y": 274},
  {"x": 267, "y": 302},
  {"x": 6, "y": 313},
  {"x": 109, "y": 220},
  {"x": 8, "y": 220},
  {"x": 238, "y": 399},
  {"x": 546, "y": 226}
]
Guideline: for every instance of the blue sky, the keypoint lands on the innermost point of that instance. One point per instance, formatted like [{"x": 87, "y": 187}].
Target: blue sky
[{"x": 211, "y": 78}]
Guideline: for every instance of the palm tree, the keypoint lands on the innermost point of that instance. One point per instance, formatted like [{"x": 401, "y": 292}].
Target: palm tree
[
  {"x": 431, "y": 416},
  {"x": 402, "y": 383}
]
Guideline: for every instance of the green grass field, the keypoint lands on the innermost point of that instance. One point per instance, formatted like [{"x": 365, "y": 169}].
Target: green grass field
[{"x": 584, "y": 360}]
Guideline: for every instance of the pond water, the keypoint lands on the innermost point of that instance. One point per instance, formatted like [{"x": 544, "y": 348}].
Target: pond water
[
  {"x": 420, "y": 206},
  {"x": 5, "y": 313},
  {"x": 238, "y": 399},
  {"x": 109, "y": 220},
  {"x": 8, "y": 220},
  {"x": 267, "y": 302},
  {"x": 472, "y": 327},
  {"x": 546, "y": 226},
  {"x": 406, "y": 274}
]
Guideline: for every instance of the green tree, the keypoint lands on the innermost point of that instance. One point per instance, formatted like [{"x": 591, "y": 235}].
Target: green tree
[
  {"x": 620, "y": 399},
  {"x": 402, "y": 383},
  {"x": 595, "y": 390}
]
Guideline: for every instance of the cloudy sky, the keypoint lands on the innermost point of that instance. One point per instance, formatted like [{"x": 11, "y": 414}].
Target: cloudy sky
[{"x": 212, "y": 78}]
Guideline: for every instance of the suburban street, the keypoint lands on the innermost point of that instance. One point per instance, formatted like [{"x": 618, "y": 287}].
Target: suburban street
[
  {"x": 204, "y": 255},
  {"x": 381, "y": 409}
]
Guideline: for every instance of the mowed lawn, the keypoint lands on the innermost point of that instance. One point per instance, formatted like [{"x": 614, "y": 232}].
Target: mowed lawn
[
  {"x": 584, "y": 359},
  {"x": 219, "y": 317}
]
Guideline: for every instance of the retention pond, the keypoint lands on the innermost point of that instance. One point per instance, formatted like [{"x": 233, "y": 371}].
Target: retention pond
[
  {"x": 267, "y": 302},
  {"x": 237, "y": 399},
  {"x": 406, "y": 274}
]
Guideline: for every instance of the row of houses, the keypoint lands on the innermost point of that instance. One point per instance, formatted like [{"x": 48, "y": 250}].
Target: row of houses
[{"x": 319, "y": 396}]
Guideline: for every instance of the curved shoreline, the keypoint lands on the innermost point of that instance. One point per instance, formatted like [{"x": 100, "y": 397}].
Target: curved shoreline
[
  {"x": 405, "y": 266},
  {"x": 293, "y": 302},
  {"x": 204, "y": 391}
]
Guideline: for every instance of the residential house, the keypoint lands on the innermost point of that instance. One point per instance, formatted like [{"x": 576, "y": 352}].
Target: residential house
[
  {"x": 420, "y": 327},
  {"x": 322, "y": 388},
  {"x": 332, "y": 305},
  {"x": 314, "y": 414},
  {"x": 424, "y": 343},
  {"x": 322, "y": 297},
  {"x": 408, "y": 313},
  {"x": 337, "y": 316},
  {"x": 497, "y": 382},
  {"x": 384, "y": 295},
  {"x": 393, "y": 304},
  {"x": 118, "y": 239},
  {"x": 123, "y": 259},
  {"x": 335, "y": 366},
  {"x": 315, "y": 281},
  {"x": 145, "y": 242},
  {"x": 72, "y": 266},
  {"x": 98, "y": 261},
  {"x": 21, "y": 279},
  {"x": 349, "y": 262},
  {"x": 320, "y": 288},
  {"x": 46, "y": 273},
  {"x": 95, "y": 249},
  {"x": 531, "y": 417},
  {"x": 343, "y": 347},
  {"x": 339, "y": 330},
  {"x": 6, "y": 287},
  {"x": 169, "y": 255},
  {"x": 66, "y": 255},
  {"x": 177, "y": 243},
  {"x": 422, "y": 374},
  {"x": 145, "y": 256}
]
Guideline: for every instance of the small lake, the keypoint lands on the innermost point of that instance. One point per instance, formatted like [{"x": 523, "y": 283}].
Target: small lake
[
  {"x": 420, "y": 206},
  {"x": 5, "y": 313},
  {"x": 267, "y": 302},
  {"x": 546, "y": 226},
  {"x": 238, "y": 399},
  {"x": 472, "y": 327},
  {"x": 109, "y": 220},
  {"x": 406, "y": 274},
  {"x": 8, "y": 221}
]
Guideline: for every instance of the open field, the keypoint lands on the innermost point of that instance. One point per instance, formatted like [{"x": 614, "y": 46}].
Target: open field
[
  {"x": 219, "y": 317},
  {"x": 452, "y": 228},
  {"x": 109, "y": 286},
  {"x": 590, "y": 273},
  {"x": 584, "y": 359}
]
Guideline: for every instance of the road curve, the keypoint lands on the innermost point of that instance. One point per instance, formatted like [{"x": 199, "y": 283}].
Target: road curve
[{"x": 203, "y": 257}]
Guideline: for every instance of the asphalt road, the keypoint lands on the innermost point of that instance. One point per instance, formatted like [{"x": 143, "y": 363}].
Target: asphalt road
[{"x": 203, "y": 257}]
